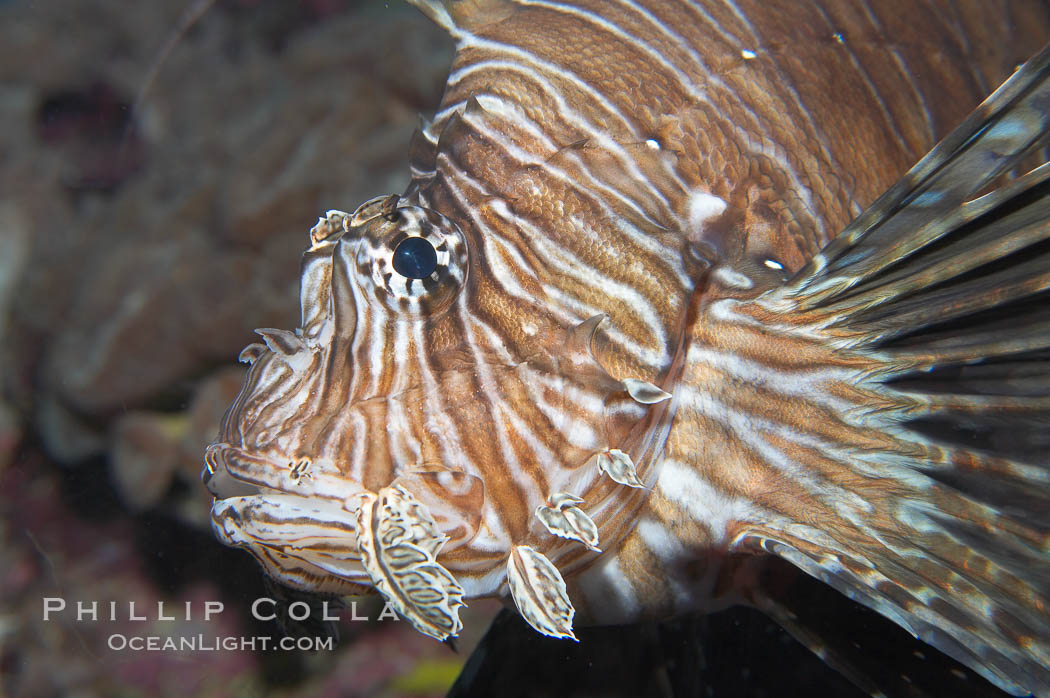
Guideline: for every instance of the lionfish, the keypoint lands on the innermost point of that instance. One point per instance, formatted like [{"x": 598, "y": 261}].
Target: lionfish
[{"x": 607, "y": 353}]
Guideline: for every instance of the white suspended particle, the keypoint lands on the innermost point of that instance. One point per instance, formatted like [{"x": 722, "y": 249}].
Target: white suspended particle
[
  {"x": 747, "y": 54},
  {"x": 652, "y": 144},
  {"x": 773, "y": 264}
]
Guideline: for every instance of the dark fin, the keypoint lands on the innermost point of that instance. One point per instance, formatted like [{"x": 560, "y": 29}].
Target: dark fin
[
  {"x": 737, "y": 653},
  {"x": 314, "y": 625},
  {"x": 933, "y": 307},
  {"x": 877, "y": 657}
]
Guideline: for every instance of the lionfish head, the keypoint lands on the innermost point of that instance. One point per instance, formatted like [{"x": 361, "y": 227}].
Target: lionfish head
[{"x": 420, "y": 435}]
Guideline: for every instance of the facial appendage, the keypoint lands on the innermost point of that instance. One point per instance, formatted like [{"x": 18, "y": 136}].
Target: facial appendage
[{"x": 393, "y": 442}]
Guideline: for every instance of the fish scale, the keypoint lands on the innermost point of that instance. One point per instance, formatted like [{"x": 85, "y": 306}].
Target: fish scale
[{"x": 652, "y": 359}]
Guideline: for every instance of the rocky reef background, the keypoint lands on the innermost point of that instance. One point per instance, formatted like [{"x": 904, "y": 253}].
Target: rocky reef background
[
  {"x": 145, "y": 230},
  {"x": 146, "y": 227}
]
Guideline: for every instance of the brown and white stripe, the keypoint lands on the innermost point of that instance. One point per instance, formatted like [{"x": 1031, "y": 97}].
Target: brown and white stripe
[{"x": 665, "y": 165}]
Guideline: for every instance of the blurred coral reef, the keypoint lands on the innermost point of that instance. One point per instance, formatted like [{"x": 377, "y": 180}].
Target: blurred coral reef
[{"x": 145, "y": 230}]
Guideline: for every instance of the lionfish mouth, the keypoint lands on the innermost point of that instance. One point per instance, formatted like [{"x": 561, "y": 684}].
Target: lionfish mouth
[
  {"x": 221, "y": 461},
  {"x": 310, "y": 532},
  {"x": 303, "y": 537},
  {"x": 344, "y": 542}
]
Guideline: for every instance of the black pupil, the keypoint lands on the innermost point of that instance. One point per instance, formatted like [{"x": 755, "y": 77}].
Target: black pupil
[{"x": 415, "y": 258}]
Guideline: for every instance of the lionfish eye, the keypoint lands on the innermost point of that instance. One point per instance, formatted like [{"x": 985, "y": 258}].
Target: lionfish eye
[
  {"x": 415, "y": 258},
  {"x": 410, "y": 259}
]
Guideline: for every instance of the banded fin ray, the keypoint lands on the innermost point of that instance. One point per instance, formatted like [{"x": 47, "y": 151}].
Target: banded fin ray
[
  {"x": 937, "y": 302},
  {"x": 931, "y": 199}
]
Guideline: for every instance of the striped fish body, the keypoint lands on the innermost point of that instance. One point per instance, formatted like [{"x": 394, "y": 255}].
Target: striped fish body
[{"x": 629, "y": 355}]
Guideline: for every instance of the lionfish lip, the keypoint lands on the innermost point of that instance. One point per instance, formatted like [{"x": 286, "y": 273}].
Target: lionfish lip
[{"x": 216, "y": 474}]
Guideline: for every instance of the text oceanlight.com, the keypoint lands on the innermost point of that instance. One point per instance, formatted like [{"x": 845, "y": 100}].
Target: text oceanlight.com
[{"x": 201, "y": 643}]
